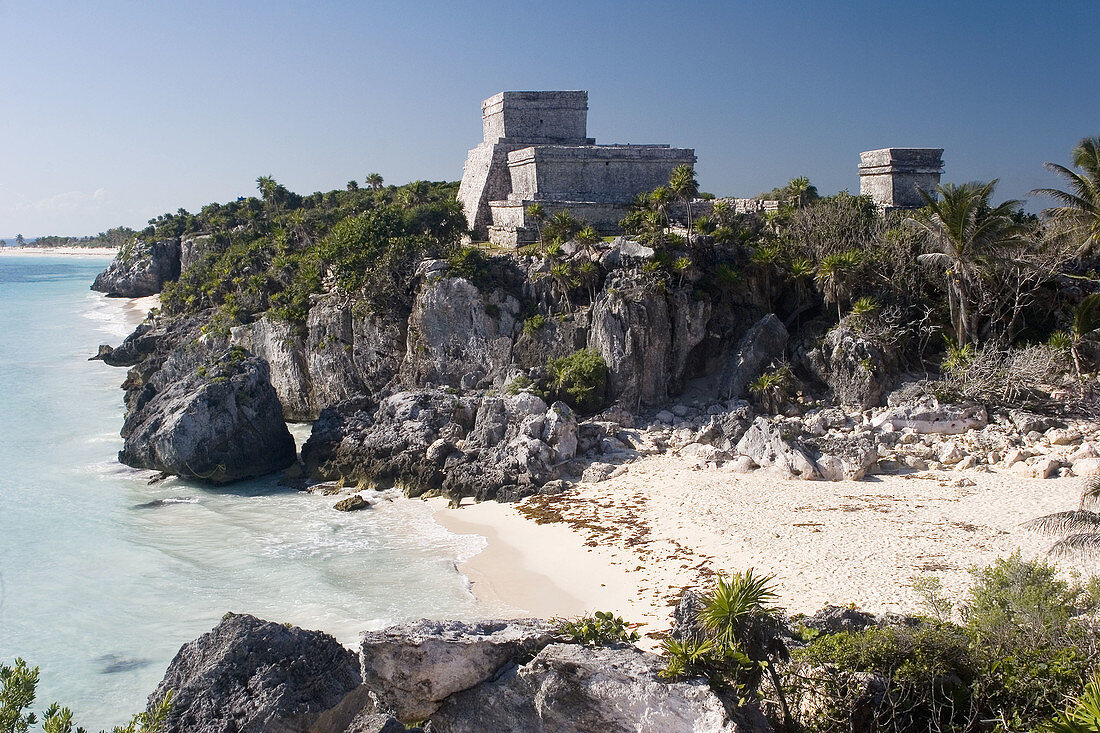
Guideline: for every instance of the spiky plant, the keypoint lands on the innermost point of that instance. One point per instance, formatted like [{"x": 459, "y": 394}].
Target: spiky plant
[
  {"x": 1086, "y": 323},
  {"x": 836, "y": 276},
  {"x": 1084, "y": 716},
  {"x": 1080, "y": 527}
]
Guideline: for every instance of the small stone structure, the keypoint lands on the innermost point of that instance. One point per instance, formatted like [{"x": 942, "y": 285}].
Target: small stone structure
[
  {"x": 891, "y": 176},
  {"x": 536, "y": 150}
]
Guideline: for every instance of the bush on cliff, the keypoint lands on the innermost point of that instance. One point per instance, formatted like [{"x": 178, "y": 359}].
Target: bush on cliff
[{"x": 579, "y": 380}]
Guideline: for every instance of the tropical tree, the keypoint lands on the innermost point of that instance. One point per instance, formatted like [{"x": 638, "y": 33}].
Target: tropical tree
[
  {"x": 965, "y": 234},
  {"x": 353, "y": 185},
  {"x": 801, "y": 191},
  {"x": 19, "y": 241},
  {"x": 1079, "y": 212},
  {"x": 588, "y": 238},
  {"x": 537, "y": 214},
  {"x": 836, "y": 276},
  {"x": 415, "y": 194},
  {"x": 1085, "y": 324},
  {"x": 660, "y": 199},
  {"x": 563, "y": 226},
  {"x": 374, "y": 180},
  {"x": 683, "y": 184}
]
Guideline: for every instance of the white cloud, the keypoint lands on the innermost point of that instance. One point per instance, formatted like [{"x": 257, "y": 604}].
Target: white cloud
[{"x": 68, "y": 201}]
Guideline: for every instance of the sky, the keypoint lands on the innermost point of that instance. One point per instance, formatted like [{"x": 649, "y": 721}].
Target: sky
[{"x": 116, "y": 111}]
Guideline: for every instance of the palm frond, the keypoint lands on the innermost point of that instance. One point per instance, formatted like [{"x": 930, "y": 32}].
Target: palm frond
[
  {"x": 1061, "y": 523},
  {"x": 1083, "y": 545}
]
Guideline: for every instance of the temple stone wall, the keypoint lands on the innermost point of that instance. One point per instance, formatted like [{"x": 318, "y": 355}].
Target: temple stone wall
[
  {"x": 535, "y": 148},
  {"x": 597, "y": 173},
  {"x": 891, "y": 176}
]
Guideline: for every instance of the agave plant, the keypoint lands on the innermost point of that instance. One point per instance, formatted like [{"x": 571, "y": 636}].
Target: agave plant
[
  {"x": 1084, "y": 716},
  {"x": 1080, "y": 527}
]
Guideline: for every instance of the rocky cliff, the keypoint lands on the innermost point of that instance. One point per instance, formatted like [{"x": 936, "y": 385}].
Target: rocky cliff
[{"x": 254, "y": 676}]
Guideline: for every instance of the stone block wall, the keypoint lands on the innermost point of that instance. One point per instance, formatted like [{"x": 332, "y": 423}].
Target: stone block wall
[
  {"x": 891, "y": 176},
  {"x": 597, "y": 173},
  {"x": 536, "y": 117}
]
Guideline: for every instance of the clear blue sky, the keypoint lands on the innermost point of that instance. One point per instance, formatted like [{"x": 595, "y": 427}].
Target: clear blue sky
[{"x": 116, "y": 111}]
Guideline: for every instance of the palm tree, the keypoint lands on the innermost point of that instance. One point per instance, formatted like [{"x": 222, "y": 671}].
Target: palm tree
[
  {"x": 1084, "y": 716},
  {"x": 415, "y": 193},
  {"x": 1082, "y": 525},
  {"x": 269, "y": 191},
  {"x": 374, "y": 180},
  {"x": 1080, "y": 205},
  {"x": 836, "y": 277},
  {"x": 682, "y": 183},
  {"x": 802, "y": 191},
  {"x": 563, "y": 226},
  {"x": 660, "y": 199},
  {"x": 965, "y": 232},
  {"x": 537, "y": 214},
  {"x": 1086, "y": 322},
  {"x": 588, "y": 238}
]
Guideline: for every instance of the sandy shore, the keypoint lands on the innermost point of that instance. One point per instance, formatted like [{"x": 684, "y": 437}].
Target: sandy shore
[
  {"x": 84, "y": 251},
  {"x": 632, "y": 543}
]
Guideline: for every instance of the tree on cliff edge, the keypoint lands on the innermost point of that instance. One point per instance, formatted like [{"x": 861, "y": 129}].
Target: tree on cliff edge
[
  {"x": 682, "y": 183},
  {"x": 1079, "y": 212}
]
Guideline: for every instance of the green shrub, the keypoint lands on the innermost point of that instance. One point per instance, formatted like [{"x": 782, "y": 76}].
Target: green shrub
[
  {"x": 532, "y": 325},
  {"x": 579, "y": 379},
  {"x": 599, "y": 629}
]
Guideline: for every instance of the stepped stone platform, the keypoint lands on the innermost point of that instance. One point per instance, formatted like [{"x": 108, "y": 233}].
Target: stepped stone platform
[{"x": 535, "y": 149}]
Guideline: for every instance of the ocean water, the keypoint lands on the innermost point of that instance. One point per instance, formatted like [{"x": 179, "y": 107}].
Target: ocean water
[{"x": 103, "y": 576}]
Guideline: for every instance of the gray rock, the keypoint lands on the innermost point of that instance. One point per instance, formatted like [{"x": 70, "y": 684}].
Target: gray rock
[
  {"x": 353, "y": 503},
  {"x": 631, "y": 329},
  {"x": 369, "y": 722},
  {"x": 762, "y": 343},
  {"x": 1028, "y": 422},
  {"x": 279, "y": 343},
  {"x": 930, "y": 416},
  {"x": 764, "y": 444},
  {"x": 193, "y": 248},
  {"x": 845, "y": 457},
  {"x": 254, "y": 676},
  {"x": 413, "y": 668},
  {"x": 569, "y": 688},
  {"x": 140, "y": 268},
  {"x": 207, "y": 415},
  {"x": 854, "y": 368}
]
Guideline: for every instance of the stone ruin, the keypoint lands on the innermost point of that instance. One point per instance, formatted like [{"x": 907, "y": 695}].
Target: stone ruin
[
  {"x": 891, "y": 176},
  {"x": 536, "y": 150}
]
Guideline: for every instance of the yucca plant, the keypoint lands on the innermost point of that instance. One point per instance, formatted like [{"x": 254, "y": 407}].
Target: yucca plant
[
  {"x": 836, "y": 276},
  {"x": 772, "y": 389},
  {"x": 1080, "y": 526},
  {"x": 1084, "y": 716}
]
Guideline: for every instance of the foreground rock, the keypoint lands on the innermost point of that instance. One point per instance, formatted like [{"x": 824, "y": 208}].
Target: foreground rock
[
  {"x": 140, "y": 268},
  {"x": 764, "y": 444},
  {"x": 569, "y": 688},
  {"x": 208, "y": 415},
  {"x": 413, "y": 668},
  {"x": 254, "y": 676}
]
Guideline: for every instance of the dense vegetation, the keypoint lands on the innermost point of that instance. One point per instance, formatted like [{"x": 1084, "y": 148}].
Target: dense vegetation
[
  {"x": 270, "y": 254},
  {"x": 113, "y": 238}
]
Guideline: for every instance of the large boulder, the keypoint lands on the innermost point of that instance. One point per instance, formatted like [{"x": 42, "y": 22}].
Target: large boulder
[
  {"x": 855, "y": 368},
  {"x": 430, "y": 441},
  {"x": 255, "y": 676},
  {"x": 763, "y": 342},
  {"x": 569, "y": 688},
  {"x": 764, "y": 444},
  {"x": 413, "y": 668},
  {"x": 207, "y": 414},
  {"x": 140, "y": 268},
  {"x": 929, "y": 416}
]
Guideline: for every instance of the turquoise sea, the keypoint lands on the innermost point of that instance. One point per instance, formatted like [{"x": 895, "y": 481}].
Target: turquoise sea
[{"x": 103, "y": 576}]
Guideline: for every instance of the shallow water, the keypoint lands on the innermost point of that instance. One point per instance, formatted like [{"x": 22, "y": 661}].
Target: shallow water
[{"x": 103, "y": 576}]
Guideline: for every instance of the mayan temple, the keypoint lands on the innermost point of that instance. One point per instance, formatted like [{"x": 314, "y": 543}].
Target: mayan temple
[{"x": 536, "y": 149}]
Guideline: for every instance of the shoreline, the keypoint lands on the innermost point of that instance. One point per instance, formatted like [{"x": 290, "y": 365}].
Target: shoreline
[
  {"x": 632, "y": 543},
  {"x": 78, "y": 251}
]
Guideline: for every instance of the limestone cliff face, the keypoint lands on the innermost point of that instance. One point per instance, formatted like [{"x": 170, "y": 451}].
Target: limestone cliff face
[{"x": 140, "y": 269}]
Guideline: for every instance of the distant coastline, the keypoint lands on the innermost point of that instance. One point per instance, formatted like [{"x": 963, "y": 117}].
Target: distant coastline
[{"x": 85, "y": 251}]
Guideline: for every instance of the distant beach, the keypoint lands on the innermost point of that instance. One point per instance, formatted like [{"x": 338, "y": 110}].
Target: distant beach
[{"x": 84, "y": 251}]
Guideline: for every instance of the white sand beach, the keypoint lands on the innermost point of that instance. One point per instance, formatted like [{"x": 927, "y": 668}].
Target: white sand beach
[
  {"x": 39, "y": 251},
  {"x": 630, "y": 544}
]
